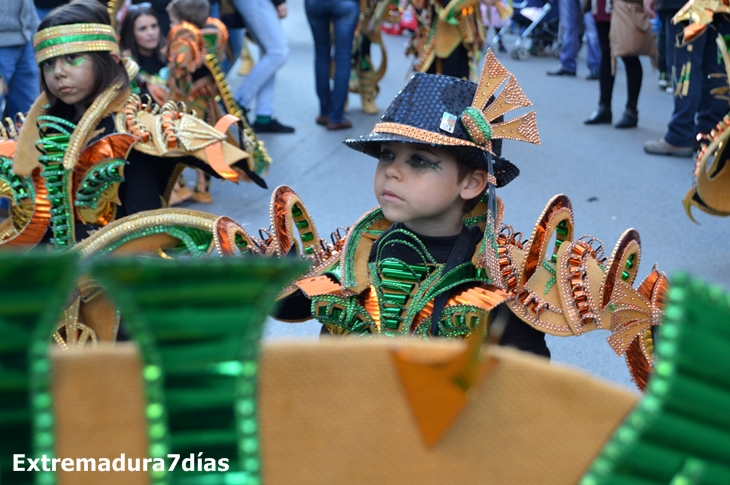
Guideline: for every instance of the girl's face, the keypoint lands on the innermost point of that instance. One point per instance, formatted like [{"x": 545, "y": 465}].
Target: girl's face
[
  {"x": 146, "y": 34},
  {"x": 70, "y": 78}
]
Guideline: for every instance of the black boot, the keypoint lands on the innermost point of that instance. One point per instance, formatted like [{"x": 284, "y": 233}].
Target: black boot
[
  {"x": 601, "y": 116},
  {"x": 629, "y": 119}
]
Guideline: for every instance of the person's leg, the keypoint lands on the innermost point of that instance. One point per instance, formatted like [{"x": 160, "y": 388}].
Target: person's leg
[
  {"x": 265, "y": 27},
  {"x": 570, "y": 19},
  {"x": 713, "y": 76},
  {"x": 634, "y": 74},
  {"x": 605, "y": 78},
  {"x": 593, "y": 59},
  {"x": 319, "y": 23},
  {"x": 682, "y": 129},
  {"x": 345, "y": 15},
  {"x": 23, "y": 82},
  {"x": 661, "y": 40},
  {"x": 8, "y": 59},
  {"x": 669, "y": 43}
]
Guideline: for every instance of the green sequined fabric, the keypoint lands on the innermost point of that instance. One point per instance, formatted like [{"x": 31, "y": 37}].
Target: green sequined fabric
[
  {"x": 198, "y": 324},
  {"x": 403, "y": 290},
  {"x": 22, "y": 187},
  {"x": 99, "y": 178},
  {"x": 32, "y": 293},
  {"x": 680, "y": 432},
  {"x": 55, "y": 134}
]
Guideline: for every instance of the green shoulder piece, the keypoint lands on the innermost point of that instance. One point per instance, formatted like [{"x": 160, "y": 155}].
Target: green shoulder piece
[
  {"x": 13, "y": 185},
  {"x": 680, "y": 432},
  {"x": 33, "y": 288},
  {"x": 198, "y": 325},
  {"x": 99, "y": 178},
  {"x": 367, "y": 224}
]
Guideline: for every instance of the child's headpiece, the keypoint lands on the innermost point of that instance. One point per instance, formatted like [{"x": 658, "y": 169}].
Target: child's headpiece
[
  {"x": 73, "y": 39},
  {"x": 458, "y": 116}
]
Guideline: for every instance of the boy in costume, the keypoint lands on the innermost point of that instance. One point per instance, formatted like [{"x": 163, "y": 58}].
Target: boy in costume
[
  {"x": 421, "y": 262},
  {"x": 434, "y": 258}
]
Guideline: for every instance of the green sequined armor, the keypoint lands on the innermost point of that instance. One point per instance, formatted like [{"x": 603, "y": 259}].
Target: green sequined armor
[
  {"x": 54, "y": 135},
  {"x": 400, "y": 297}
]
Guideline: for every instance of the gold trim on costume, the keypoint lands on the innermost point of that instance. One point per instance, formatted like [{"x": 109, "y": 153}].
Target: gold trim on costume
[
  {"x": 73, "y": 39},
  {"x": 424, "y": 136}
]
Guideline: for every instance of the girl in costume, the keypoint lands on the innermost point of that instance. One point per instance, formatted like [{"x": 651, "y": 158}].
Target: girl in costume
[
  {"x": 90, "y": 151},
  {"x": 140, "y": 38}
]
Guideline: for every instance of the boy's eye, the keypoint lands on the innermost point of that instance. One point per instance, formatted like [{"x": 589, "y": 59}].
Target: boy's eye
[
  {"x": 48, "y": 64},
  {"x": 386, "y": 155},
  {"x": 421, "y": 163}
]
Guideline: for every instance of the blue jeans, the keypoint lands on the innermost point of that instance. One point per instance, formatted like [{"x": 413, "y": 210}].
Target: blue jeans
[
  {"x": 698, "y": 111},
  {"x": 343, "y": 14},
  {"x": 593, "y": 56},
  {"x": 265, "y": 28},
  {"x": 20, "y": 74},
  {"x": 571, "y": 22}
]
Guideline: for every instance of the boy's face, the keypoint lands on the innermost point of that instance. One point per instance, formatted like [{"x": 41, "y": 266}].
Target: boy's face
[
  {"x": 418, "y": 185},
  {"x": 70, "y": 77}
]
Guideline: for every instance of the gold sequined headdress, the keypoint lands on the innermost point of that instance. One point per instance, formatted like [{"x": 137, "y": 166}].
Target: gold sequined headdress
[
  {"x": 74, "y": 39},
  {"x": 457, "y": 115}
]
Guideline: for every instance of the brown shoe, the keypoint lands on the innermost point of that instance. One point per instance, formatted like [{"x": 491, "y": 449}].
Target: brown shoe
[
  {"x": 342, "y": 125},
  {"x": 322, "y": 120}
]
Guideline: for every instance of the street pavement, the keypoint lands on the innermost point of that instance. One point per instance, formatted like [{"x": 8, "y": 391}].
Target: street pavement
[{"x": 612, "y": 183}]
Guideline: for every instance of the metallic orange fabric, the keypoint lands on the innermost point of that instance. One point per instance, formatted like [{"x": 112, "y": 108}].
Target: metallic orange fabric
[
  {"x": 7, "y": 148},
  {"x": 36, "y": 228},
  {"x": 533, "y": 258},
  {"x": 214, "y": 152},
  {"x": 319, "y": 285},
  {"x": 369, "y": 300},
  {"x": 654, "y": 288},
  {"x": 112, "y": 146}
]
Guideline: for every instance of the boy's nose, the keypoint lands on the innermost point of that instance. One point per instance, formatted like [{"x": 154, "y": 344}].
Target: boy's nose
[{"x": 395, "y": 169}]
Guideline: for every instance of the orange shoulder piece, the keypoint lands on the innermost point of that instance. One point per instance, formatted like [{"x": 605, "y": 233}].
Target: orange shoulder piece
[
  {"x": 484, "y": 297},
  {"x": 319, "y": 285}
]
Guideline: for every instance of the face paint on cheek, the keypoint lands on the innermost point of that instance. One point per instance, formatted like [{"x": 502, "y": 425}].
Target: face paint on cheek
[{"x": 77, "y": 61}]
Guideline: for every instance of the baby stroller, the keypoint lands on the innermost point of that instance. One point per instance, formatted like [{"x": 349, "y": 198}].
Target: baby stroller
[{"x": 537, "y": 22}]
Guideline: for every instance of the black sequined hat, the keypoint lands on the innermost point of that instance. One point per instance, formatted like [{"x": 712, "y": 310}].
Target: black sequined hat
[{"x": 458, "y": 116}]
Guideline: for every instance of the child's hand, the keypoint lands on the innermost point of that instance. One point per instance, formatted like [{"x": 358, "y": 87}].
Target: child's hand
[{"x": 282, "y": 10}]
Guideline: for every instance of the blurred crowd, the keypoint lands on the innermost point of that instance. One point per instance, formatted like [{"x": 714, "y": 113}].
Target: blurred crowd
[{"x": 343, "y": 31}]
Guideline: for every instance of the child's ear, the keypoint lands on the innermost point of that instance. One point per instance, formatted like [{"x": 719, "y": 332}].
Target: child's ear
[
  {"x": 474, "y": 184},
  {"x": 115, "y": 55}
]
